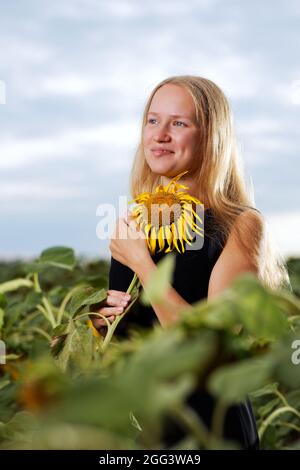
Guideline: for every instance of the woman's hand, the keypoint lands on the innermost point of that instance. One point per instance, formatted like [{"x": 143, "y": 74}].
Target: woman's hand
[
  {"x": 115, "y": 304},
  {"x": 129, "y": 245}
]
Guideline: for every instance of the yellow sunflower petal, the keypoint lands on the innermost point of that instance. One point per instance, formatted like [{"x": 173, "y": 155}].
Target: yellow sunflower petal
[
  {"x": 186, "y": 234},
  {"x": 139, "y": 218},
  {"x": 189, "y": 219},
  {"x": 152, "y": 240},
  {"x": 168, "y": 235},
  {"x": 161, "y": 241},
  {"x": 180, "y": 229},
  {"x": 147, "y": 230},
  {"x": 173, "y": 228},
  {"x": 197, "y": 231},
  {"x": 188, "y": 198},
  {"x": 94, "y": 330},
  {"x": 175, "y": 179},
  {"x": 183, "y": 186},
  {"x": 197, "y": 216},
  {"x": 159, "y": 189},
  {"x": 140, "y": 196},
  {"x": 180, "y": 236}
]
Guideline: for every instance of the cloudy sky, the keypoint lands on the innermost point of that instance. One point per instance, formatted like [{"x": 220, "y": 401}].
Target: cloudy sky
[{"x": 75, "y": 75}]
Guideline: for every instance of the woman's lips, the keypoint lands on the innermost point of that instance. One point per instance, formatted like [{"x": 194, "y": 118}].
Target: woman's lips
[{"x": 158, "y": 153}]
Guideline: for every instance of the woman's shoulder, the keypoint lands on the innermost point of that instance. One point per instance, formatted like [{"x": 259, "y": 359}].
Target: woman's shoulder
[
  {"x": 246, "y": 215},
  {"x": 248, "y": 227},
  {"x": 250, "y": 221},
  {"x": 245, "y": 239}
]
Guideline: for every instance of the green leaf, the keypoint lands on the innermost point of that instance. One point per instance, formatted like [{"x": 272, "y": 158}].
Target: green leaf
[
  {"x": 269, "y": 389},
  {"x": 159, "y": 281},
  {"x": 59, "y": 335},
  {"x": 153, "y": 359},
  {"x": 232, "y": 383},
  {"x": 66, "y": 347},
  {"x": 246, "y": 303},
  {"x": 260, "y": 311},
  {"x": 75, "y": 436},
  {"x": 285, "y": 371},
  {"x": 3, "y": 301},
  {"x": 14, "y": 285},
  {"x": 57, "y": 256},
  {"x": 265, "y": 410},
  {"x": 81, "y": 349},
  {"x": 218, "y": 314},
  {"x": 12, "y": 357},
  {"x": 76, "y": 348},
  {"x": 107, "y": 403},
  {"x": 15, "y": 429},
  {"x": 1, "y": 318},
  {"x": 4, "y": 383},
  {"x": 31, "y": 301},
  {"x": 134, "y": 421},
  {"x": 62, "y": 329},
  {"x": 19, "y": 311},
  {"x": 86, "y": 296}
]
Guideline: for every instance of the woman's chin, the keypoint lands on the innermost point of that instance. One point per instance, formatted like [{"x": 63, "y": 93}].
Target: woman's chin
[{"x": 161, "y": 168}]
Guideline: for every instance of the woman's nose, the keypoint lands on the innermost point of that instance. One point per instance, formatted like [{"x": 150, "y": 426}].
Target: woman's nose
[{"x": 161, "y": 133}]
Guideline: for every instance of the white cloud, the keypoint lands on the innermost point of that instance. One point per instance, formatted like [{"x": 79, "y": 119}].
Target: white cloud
[
  {"x": 33, "y": 190},
  {"x": 69, "y": 85},
  {"x": 258, "y": 125},
  {"x": 23, "y": 52},
  {"x": 111, "y": 54},
  {"x": 233, "y": 72},
  {"x": 71, "y": 144},
  {"x": 285, "y": 228},
  {"x": 124, "y": 9}
]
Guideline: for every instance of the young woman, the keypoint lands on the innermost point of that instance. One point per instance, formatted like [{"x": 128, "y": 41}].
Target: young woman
[{"x": 187, "y": 126}]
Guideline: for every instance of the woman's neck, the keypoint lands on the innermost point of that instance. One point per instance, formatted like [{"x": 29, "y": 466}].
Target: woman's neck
[{"x": 192, "y": 190}]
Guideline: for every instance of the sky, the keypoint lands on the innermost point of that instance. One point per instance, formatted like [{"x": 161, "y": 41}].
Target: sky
[{"x": 75, "y": 76}]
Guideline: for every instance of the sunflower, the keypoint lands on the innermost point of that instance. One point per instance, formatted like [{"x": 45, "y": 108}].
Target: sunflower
[{"x": 166, "y": 216}]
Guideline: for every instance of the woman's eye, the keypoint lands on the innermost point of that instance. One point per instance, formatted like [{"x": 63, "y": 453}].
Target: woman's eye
[{"x": 182, "y": 124}]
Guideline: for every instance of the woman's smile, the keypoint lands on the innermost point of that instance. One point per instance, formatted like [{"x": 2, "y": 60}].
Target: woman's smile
[{"x": 161, "y": 152}]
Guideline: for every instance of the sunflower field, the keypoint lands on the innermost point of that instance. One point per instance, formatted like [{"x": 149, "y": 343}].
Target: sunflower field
[{"x": 64, "y": 386}]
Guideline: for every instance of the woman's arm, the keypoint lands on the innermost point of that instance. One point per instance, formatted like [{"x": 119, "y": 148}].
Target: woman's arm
[
  {"x": 235, "y": 259},
  {"x": 167, "y": 315}
]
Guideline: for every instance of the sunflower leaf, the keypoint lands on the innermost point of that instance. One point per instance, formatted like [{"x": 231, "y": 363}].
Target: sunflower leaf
[{"x": 159, "y": 281}]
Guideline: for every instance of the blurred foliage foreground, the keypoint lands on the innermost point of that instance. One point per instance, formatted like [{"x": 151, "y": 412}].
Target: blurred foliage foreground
[{"x": 61, "y": 389}]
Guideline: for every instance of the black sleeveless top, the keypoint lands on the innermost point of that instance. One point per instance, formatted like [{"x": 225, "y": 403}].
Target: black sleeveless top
[{"x": 190, "y": 279}]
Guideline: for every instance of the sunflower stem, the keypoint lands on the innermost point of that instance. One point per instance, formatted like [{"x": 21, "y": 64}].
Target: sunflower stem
[{"x": 135, "y": 283}]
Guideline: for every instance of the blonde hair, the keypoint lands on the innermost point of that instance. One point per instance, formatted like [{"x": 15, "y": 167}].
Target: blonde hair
[{"x": 220, "y": 178}]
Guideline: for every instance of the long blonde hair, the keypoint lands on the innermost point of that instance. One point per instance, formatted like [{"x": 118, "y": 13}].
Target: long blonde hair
[{"x": 220, "y": 177}]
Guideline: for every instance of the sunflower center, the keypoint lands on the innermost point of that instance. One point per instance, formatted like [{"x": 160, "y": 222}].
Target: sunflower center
[{"x": 162, "y": 209}]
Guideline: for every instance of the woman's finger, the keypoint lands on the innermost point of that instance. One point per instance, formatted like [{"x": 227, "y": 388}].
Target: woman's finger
[
  {"x": 97, "y": 322},
  {"x": 107, "y": 311},
  {"x": 118, "y": 293},
  {"x": 117, "y": 301}
]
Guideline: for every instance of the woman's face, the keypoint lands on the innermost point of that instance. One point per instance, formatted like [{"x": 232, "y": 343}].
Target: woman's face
[{"x": 171, "y": 137}]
